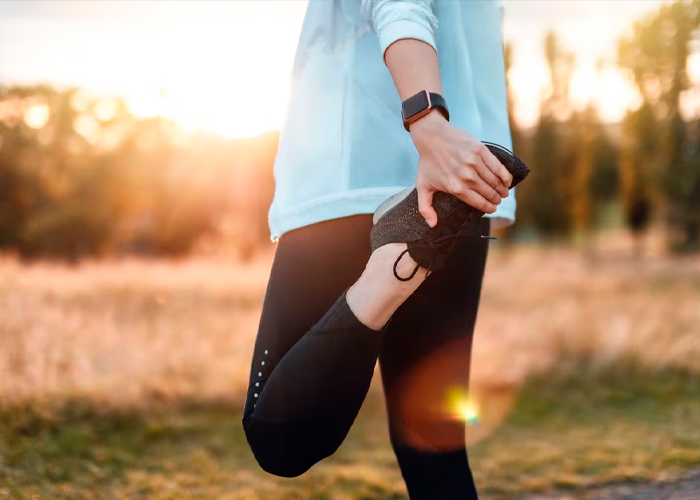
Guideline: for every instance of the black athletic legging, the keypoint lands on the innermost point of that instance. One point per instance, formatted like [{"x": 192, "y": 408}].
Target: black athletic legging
[{"x": 313, "y": 360}]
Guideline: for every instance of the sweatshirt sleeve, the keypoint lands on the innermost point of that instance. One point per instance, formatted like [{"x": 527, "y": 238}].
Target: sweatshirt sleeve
[{"x": 394, "y": 20}]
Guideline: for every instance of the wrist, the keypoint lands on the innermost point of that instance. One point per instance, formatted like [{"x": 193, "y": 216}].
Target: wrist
[{"x": 427, "y": 124}]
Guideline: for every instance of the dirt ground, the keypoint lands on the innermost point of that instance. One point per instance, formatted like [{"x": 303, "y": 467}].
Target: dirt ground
[{"x": 685, "y": 487}]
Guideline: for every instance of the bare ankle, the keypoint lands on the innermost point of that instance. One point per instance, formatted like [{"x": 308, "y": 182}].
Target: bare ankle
[{"x": 377, "y": 294}]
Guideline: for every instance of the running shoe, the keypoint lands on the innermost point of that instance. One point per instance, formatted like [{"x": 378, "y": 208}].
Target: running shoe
[{"x": 398, "y": 220}]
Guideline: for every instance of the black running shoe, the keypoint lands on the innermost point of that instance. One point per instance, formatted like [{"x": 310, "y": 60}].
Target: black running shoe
[{"x": 398, "y": 220}]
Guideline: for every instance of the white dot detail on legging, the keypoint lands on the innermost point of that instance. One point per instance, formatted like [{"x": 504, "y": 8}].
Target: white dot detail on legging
[
  {"x": 266, "y": 351},
  {"x": 262, "y": 363},
  {"x": 255, "y": 395},
  {"x": 257, "y": 384},
  {"x": 259, "y": 374}
]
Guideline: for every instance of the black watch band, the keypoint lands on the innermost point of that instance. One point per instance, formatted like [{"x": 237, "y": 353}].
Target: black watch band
[{"x": 420, "y": 105}]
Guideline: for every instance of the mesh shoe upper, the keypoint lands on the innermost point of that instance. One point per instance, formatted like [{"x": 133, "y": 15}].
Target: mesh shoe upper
[{"x": 427, "y": 246}]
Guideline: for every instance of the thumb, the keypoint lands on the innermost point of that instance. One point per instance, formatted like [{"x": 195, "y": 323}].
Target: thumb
[{"x": 425, "y": 205}]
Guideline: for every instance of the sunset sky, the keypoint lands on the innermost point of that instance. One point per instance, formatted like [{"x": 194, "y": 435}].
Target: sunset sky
[{"x": 224, "y": 66}]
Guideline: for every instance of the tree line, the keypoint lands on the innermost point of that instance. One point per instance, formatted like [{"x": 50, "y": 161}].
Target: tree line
[
  {"x": 81, "y": 177},
  {"x": 647, "y": 169}
]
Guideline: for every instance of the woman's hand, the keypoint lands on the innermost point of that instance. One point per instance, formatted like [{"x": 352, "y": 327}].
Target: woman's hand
[{"x": 453, "y": 161}]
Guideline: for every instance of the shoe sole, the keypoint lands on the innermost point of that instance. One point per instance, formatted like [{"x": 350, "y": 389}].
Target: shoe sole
[
  {"x": 391, "y": 202},
  {"x": 394, "y": 200}
]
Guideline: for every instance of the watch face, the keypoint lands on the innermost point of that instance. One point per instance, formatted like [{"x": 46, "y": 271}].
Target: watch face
[{"x": 415, "y": 104}]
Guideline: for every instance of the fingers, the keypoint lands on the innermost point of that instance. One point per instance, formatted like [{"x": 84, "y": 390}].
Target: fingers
[
  {"x": 425, "y": 205},
  {"x": 497, "y": 167},
  {"x": 477, "y": 201},
  {"x": 490, "y": 178},
  {"x": 475, "y": 175},
  {"x": 487, "y": 192}
]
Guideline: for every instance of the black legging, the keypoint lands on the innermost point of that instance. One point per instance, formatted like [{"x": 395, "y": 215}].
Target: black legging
[{"x": 313, "y": 360}]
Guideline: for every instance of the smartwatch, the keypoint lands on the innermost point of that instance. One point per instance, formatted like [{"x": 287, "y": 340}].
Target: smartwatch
[{"x": 419, "y": 105}]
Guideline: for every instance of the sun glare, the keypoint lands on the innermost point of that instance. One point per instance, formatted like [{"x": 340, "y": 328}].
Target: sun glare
[
  {"x": 227, "y": 77},
  {"x": 225, "y": 67},
  {"x": 221, "y": 67},
  {"x": 607, "y": 89},
  {"x": 529, "y": 82}
]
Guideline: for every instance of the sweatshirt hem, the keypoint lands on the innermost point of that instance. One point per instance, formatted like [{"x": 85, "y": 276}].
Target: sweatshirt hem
[{"x": 337, "y": 205}]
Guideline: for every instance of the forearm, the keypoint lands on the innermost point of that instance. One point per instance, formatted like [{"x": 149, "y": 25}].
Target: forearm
[
  {"x": 450, "y": 159},
  {"x": 413, "y": 65}
]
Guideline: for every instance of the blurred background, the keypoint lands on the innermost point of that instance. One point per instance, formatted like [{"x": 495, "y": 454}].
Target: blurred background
[{"x": 134, "y": 252}]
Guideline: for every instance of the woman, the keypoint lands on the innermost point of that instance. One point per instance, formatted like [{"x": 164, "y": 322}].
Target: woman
[{"x": 386, "y": 94}]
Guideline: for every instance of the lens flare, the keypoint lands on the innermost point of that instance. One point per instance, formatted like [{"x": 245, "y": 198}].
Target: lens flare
[{"x": 462, "y": 406}]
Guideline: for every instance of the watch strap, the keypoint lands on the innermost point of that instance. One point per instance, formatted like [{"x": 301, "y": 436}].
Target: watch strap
[{"x": 433, "y": 100}]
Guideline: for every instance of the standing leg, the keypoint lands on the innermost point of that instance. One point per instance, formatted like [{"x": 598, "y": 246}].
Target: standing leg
[{"x": 425, "y": 366}]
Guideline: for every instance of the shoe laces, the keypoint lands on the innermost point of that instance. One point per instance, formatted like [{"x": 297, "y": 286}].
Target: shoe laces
[{"x": 442, "y": 244}]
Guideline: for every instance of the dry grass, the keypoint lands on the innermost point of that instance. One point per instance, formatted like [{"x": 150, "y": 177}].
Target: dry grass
[
  {"x": 127, "y": 331},
  {"x": 542, "y": 308}
]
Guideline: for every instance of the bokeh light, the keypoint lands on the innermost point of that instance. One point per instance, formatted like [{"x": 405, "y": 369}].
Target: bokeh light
[
  {"x": 106, "y": 109},
  {"x": 36, "y": 116}
]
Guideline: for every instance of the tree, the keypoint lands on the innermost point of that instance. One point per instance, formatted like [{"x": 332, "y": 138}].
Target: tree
[
  {"x": 76, "y": 180},
  {"x": 660, "y": 159},
  {"x": 542, "y": 200}
]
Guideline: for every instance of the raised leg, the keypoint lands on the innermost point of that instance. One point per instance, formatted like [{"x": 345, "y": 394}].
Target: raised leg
[{"x": 314, "y": 359}]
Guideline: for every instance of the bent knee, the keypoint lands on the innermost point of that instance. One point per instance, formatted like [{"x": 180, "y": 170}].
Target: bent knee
[
  {"x": 287, "y": 449},
  {"x": 281, "y": 465}
]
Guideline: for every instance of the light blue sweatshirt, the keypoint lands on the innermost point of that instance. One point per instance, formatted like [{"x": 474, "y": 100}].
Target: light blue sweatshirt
[{"x": 343, "y": 148}]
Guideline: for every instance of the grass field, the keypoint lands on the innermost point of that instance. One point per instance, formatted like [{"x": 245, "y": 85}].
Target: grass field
[{"x": 124, "y": 380}]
